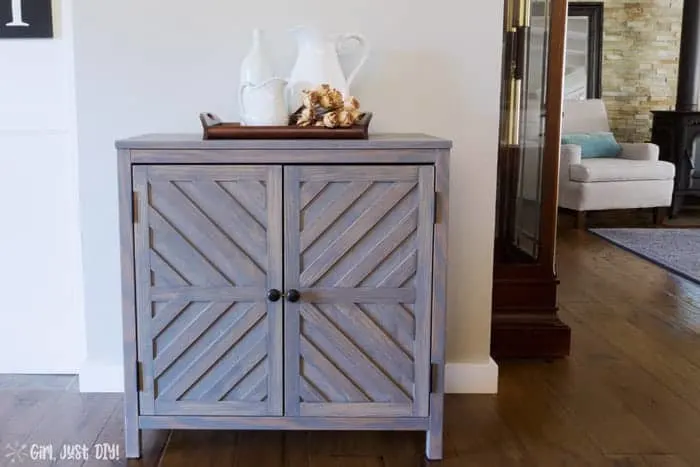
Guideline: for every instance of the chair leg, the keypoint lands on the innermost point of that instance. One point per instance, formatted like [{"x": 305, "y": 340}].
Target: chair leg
[
  {"x": 659, "y": 215},
  {"x": 580, "y": 219}
]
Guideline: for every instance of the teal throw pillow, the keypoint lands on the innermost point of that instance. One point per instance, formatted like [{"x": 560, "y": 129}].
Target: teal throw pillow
[{"x": 601, "y": 144}]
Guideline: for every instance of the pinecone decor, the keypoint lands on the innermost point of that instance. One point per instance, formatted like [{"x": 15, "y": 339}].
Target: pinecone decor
[{"x": 325, "y": 106}]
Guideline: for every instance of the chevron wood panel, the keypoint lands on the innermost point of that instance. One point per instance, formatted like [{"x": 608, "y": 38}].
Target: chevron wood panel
[
  {"x": 208, "y": 247},
  {"x": 356, "y": 240}
]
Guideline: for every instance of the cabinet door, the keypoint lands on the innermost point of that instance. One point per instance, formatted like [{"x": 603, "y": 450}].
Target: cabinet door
[
  {"x": 208, "y": 248},
  {"x": 358, "y": 246}
]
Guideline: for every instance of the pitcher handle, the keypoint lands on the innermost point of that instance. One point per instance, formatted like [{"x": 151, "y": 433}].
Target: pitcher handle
[
  {"x": 365, "y": 53},
  {"x": 241, "y": 101}
]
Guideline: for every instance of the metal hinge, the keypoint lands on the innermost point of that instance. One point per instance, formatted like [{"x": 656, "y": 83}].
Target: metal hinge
[
  {"x": 139, "y": 376},
  {"x": 436, "y": 209},
  {"x": 434, "y": 377},
  {"x": 135, "y": 207}
]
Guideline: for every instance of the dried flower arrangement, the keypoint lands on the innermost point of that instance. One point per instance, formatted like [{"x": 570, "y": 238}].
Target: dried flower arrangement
[{"x": 324, "y": 106}]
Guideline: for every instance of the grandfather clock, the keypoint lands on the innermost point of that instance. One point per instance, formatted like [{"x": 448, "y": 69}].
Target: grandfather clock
[{"x": 525, "y": 320}]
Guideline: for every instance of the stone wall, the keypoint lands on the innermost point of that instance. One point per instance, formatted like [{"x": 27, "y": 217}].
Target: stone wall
[{"x": 640, "y": 63}]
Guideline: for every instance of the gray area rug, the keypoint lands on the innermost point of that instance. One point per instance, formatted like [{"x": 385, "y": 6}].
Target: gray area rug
[{"x": 677, "y": 250}]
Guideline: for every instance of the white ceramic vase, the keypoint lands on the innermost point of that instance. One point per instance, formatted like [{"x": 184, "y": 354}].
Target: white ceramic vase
[{"x": 256, "y": 67}]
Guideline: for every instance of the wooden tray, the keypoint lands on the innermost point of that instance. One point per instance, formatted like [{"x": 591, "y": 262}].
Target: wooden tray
[{"x": 214, "y": 128}]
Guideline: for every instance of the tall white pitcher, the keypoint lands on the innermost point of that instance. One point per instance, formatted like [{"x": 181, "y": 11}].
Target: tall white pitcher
[{"x": 318, "y": 63}]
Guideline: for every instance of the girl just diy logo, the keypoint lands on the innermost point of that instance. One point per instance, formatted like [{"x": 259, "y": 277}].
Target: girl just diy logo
[{"x": 25, "y": 19}]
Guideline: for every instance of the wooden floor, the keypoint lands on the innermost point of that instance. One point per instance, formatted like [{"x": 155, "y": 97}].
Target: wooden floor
[{"x": 628, "y": 396}]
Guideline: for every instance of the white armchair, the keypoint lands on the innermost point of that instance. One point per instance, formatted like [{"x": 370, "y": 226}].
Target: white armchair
[{"x": 634, "y": 179}]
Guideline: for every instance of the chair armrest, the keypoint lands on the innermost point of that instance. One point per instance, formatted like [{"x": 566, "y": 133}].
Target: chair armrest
[
  {"x": 570, "y": 155},
  {"x": 640, "y": 151}
]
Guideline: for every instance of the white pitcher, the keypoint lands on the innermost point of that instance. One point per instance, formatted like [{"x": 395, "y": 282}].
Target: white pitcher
[
  {"x": 264, "y": 104},
  {"x": 318, "y": 63}
]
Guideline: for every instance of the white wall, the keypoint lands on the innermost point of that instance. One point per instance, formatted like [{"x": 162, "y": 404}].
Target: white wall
[
  {"x": 153, "y": 66},
  {"x": 40, "y": 256}
]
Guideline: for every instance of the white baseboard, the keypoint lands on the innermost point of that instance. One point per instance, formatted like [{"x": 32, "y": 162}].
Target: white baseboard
[
  {"x": 460, "y": 378},
  {"x": 101, "y": 377},
  {"x": 471, "y": 378}
]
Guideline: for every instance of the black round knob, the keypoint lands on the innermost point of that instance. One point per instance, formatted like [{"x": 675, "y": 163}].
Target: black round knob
[
  {"x": 274, "y": 295},
  {"x": 293, "y": 296}
]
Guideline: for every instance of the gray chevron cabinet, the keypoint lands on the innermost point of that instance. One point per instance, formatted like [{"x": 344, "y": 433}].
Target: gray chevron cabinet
[{"x": 284, "y": 285}]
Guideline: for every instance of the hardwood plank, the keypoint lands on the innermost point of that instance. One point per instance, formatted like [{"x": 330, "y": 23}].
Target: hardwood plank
[
  {"x": 485, "y": 439},
  {"x": 625, "y": 461},
  {"x": 674, "y": 422},
  {"x": 26, "y": 410},
  {"x": 259, "y": 448},
  {"x": 296, "y": 449},
  {"x": 154, "y": 442},
  {"x": 78, "y": 423},
  {"x": 336, "y": 461},
  {"x": 664, "y": 460},
  {"x": 576, "y": 384},
  {"x": 540, "y": 422},
  {"x": 201, "y": 448}
]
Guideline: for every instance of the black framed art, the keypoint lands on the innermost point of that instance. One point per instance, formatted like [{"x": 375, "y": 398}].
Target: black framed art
[
  {"x": 584, "y": 51},
  {"x": 25, "y": 19}
]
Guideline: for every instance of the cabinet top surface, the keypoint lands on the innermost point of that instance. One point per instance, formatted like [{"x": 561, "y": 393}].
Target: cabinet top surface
[{"x": 195, "y": 141}]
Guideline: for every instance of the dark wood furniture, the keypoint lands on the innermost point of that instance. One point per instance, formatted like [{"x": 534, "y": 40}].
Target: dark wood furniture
[
  {"x": 525, "y": 315},
  {"x": 284, "y": 285},
  {"x": 677, "y": 133},
  {"x": 594, "y": 12}
]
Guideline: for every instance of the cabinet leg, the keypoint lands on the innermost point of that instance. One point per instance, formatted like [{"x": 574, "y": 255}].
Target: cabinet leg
[
  {"x": 132, "y": 433},
  {"x": 434, "y": 436},
  {"x": 133, "y": 442}
]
